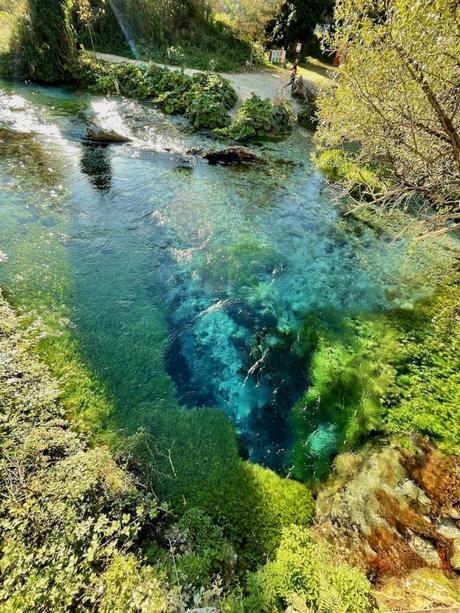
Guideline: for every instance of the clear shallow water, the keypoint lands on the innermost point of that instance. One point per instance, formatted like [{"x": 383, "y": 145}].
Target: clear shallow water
[{"x": 182, "y": 282}]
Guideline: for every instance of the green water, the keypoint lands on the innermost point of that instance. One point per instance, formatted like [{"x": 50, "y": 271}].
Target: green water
[{"x": 183, "y": 284}]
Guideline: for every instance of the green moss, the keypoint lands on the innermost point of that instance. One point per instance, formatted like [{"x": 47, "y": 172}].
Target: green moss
[
  {"x": 194, "y": 463},
  {"x": 350, "y": 372},
  {"x": 396, "y": 372}
]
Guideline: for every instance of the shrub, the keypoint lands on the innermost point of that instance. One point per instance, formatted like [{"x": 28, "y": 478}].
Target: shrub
[
  {"x": 306, "y": 117},
  {"x": 304, "y": 576},
  {"x": 204, "y": 98},
  {"x": 44, "y": 47},
  {"x": 261, "y": 119},
  {"x": 203, "y": 550},
  {"x": 171, "y": 92},
  {"x": 209, "y": 99}
]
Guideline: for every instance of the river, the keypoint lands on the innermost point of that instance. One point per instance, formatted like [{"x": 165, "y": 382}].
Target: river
[{"x": 183, "y": 282}]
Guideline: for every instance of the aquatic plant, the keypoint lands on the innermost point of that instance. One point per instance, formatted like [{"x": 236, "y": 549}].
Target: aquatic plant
[
  {"x": 426, "y": 394},
  {"x": 203, "y": 98},
  {"x": 361, "y": 181},
  {"x": 260, "y": 119},
  {"x": 350, "y": 372},
  {"x": 194, "y": 459},
  {"x": 210, "y": 98}
]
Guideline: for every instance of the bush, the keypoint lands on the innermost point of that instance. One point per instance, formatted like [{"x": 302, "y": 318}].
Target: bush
[
  {"x": 260, "y": 119},
  {"x": 171, "y": 94},
  {"x": 204, "y": 553},
  {"x": 304, "y": 576},
  {"x": 307, "y": 116},
  {"x": 204, "y": 98},
  {"x": 44, "y": 47}
]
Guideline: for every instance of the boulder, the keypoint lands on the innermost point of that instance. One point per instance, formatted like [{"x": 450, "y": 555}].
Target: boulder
[
  {"x": 232, "y": 155},
  {"x": 101, "y": 135},
  {"x": 305, "y": 89}
]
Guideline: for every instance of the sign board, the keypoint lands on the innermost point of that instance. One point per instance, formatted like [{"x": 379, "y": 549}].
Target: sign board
[{"x": 298, "y": 47}]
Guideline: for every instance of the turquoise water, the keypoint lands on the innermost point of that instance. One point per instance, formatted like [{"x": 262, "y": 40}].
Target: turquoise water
[{"x": 182, "y": 282}]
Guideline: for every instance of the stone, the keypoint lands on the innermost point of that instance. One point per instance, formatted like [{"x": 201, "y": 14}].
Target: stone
[
  {"x": 232, "y": 155},
  {"x": 426, "y": 550},
  {"x": 455, "y": 559},
  {"x": 100, "y": 135},
  {"x": 305, "y": 89},
  {"x": 449, "y": 529}
]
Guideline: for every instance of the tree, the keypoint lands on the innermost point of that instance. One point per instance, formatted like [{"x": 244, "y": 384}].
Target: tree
[
  {"x": 398, "y": 96},
  {"x": 45, "y": 42},
  {"x": 297, "y": 19},
  {"x": 249, "y": 17}
]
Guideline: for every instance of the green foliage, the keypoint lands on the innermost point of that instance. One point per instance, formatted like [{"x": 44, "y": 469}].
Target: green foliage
[
  {"x": 44, "y": 47},
  {"x": 171, "y": 94},
  {"x": 194, "y": 457},
  {"x": 426, "y": 394},
  {"x": 208, "y": 53},
  {"x": 204, "y": 98},
  {"x": 203, "y": 550},
  {"x": 210, "y": 98},
  {"x": 306, "y": 117},
  {"x": 260, "y": 119},
  {"x": 339, "y": 167},
  {"x": 297, "y": 19},
  {"x": 303, "y": 574},
  {"x": 350, "y": 373},
  {"x": 129, "y": 586},
  {"x": 68, "y": 512},
  {"x": 394, "y": 97},
  {"x": 397, "y": 372},
  {"x": 179, "y": 32}
]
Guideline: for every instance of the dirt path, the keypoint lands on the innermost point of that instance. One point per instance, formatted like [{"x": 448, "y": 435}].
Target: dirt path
[{"x": 266, "y": 84}]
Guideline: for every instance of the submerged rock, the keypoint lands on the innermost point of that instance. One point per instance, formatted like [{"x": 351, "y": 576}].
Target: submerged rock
[
  {"x": 232, "y": 155},
  {"x": 101, "y": 135}
]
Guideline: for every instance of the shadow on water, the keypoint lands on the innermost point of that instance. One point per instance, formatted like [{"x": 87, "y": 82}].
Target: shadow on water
[{"x": 95, "y": 163}]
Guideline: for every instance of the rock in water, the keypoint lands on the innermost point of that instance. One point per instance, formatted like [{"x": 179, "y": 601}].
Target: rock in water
[
  {"x": 232, "y": 155},
  {"x": 100, "y": 135}
]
